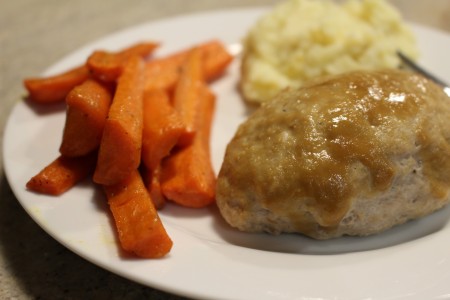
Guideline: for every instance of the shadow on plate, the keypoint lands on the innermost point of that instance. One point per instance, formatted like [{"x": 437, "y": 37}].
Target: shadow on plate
[
  {"x": 45, "y": 109},
  {"x": 296, "y": 243}
]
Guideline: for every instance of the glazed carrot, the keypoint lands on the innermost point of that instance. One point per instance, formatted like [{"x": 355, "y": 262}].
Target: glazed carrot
[
  {"x": 142, "y": 49},
  {"x": 153, "y": 183},
  {"x": 87, "y": 109},
  {"x": 55, "y": 88},
  {"x": 186, "y": 99},
  {"x": 139, "y": 227},
  {"x": 62, "y": 174},
  {"x": 107, "y": 66},
  {"x": 216, "y": 59},
  {"x": 120, "y": 147},
  {"x": 161, "y": 131},
  {"x": 187, "y": 176},
  {"x": 162, "y": 128},
  {"x": 163, "y": 73}
]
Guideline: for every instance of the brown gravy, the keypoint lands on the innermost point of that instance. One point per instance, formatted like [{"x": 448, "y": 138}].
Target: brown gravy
[{"x": 328, "y": 133}]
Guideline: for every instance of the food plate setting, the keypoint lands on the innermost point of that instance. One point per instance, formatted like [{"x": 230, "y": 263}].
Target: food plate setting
[{"x": 209, "y": 259}]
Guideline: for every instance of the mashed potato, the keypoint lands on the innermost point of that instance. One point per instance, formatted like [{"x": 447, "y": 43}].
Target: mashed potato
[{"x": 302, "y": 39}]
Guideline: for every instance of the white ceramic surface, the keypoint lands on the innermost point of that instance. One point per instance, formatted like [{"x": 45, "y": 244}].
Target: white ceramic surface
[{"x": 209, "y": 259}]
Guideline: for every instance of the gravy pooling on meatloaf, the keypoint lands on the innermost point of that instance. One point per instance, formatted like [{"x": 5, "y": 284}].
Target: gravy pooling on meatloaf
[{"x": 307, "y": 154}]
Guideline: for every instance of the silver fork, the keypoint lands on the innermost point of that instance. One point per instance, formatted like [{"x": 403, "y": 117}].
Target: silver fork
[{"x": 409, "y": 63}]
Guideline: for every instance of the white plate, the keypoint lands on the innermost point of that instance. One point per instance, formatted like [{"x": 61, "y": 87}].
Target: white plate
[{"x": 209, "y": 259}]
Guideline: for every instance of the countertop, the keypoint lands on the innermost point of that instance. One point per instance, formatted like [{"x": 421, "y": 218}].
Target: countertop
[{"x": 33, "y": 36}]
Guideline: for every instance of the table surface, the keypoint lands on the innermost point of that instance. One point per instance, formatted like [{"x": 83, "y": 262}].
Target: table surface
[{"x": 36, "y": 34}]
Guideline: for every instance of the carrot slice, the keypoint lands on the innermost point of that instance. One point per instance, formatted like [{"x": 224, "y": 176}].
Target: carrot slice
[
  {"x": 187, "y": 94},
  {"x": 62, "y": 174},
  {"x": 187, "y": 176},
  {"x": 107, "y": 66},
  {"x": 162, "y": 128},
  {"x": 120, "y": 147},
  {"x": 55, "y": 88},
  {"x": 142, "y": 49},
  {"x": 153, "y": 183},
  {"x": 87, "y": 109},
  {"x": 163, "y": 73},
  {"x": 216, "y": 59},
  {"x": 139, "y": 227}
]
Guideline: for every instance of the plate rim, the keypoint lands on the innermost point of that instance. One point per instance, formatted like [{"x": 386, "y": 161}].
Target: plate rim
[{"x": 90, "y": 45}]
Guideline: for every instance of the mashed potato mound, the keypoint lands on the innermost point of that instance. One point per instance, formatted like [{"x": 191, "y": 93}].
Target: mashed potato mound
[{"x": 302, "y": 39}]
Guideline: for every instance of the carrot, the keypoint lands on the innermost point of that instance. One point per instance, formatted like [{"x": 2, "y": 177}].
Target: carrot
[
  {"x": 153, "y": 183},
  {"x": 107, "y": 66},
  {"x": 161, "y": 132},
  {"x": 62, "y": 174},
  {"x": 55, "y": 88},
  {"x": 216, "y": 59},
  {"x": 162, "y": 128},
  {"x": 187, "y": 176},
  {"x": 139, "y": 227},
  {"x": 87, "y": 109},
  {"x": 187, "y": 94},
  {"x": 142, "y": 49},
  {"x": 120, "y": 147},
  {"x": 163, "y": 73}
]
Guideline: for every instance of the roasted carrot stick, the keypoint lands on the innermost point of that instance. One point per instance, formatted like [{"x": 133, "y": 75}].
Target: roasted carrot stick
[
  {"x": 120, "y": 147},
  {"x": 107, "y": 66},
  {"x": 162, "y": 128},
  {"x": 62, "y": 174},
  {"x": 142, "y": 49},
  {"x": 55, "y": 88},
  {"x": 139, "y": 227},
  {"x": 87, "y": 109},
  {"x": 187, "y": 176},
  {"x": 153, "y": 183},
  {"x": 216, "y": 59},
  {"x": 186, "y": 99},
  {"x": 163, "y": 73}
]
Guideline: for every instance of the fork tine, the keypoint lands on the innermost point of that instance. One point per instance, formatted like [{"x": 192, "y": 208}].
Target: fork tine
[{"x": 412, "y": 65}]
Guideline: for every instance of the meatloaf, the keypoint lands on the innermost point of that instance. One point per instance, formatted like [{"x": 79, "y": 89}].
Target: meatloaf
[{"x": 352, "y": 154}]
